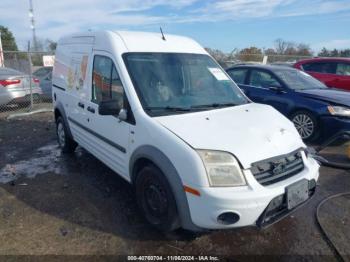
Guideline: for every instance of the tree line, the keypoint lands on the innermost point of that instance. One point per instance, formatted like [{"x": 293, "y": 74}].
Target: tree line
[{"x": 282, "y": 51}]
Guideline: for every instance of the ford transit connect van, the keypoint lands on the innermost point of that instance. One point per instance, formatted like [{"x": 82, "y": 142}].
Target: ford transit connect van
[{"x": 161, "y": 113}]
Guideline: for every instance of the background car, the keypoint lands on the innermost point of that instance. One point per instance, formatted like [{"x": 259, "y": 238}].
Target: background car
[
  {"x": 287, "y": 64},
  {"x": 316, "y": 111},
  {"x": 44, "y": 74},
  {"x": 334, "y": 72},
  {"x": 15, "y": 86}
]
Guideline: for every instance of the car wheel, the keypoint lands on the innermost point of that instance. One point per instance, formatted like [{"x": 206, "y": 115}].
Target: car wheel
[
  {"x": 155, "y": 199},
  {"x": 66, "y": 144},
  {"x": 306, "y": 124}
]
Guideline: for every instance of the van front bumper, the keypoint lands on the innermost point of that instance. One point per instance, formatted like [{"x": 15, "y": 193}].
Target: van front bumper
[{"x": 254, "y": 204}]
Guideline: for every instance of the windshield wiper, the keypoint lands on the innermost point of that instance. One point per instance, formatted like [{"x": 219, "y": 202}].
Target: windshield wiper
[
  {"x": 214, "y": 105},
  {"x": 168, "y": 108}
]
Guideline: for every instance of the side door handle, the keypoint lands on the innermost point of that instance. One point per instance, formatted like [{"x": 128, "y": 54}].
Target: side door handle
[
  {"x": 80, "y": 104},
  {"x": 91, "y": 109}
]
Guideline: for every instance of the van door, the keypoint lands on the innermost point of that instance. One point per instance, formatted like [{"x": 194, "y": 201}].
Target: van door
[
  {"x": 109, "y": 136},
  {"x": 75, "y": 95}
]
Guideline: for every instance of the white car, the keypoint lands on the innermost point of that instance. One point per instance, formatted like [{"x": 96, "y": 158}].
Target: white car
[{"x": 160, "y": 112}]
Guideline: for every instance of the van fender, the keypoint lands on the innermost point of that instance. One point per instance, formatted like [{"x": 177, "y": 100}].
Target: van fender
[
  {"x": 158, "y": 158},
  {"x": 60, "y": 108}
]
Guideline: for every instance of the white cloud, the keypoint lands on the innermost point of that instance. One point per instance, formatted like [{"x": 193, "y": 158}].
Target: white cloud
[
  {"x": 238, "y": 9},
  {"x": 231, "y": 9},
  {"x": 54, "y": 18}
]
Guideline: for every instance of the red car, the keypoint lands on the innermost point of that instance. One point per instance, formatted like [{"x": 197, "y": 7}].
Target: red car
[{"x": 334, "y": 72}]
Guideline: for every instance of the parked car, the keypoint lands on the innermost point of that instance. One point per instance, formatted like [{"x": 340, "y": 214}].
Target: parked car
[
  {"x": 44, "y": 74},
  {"x": 160, "y": 112},
  {"x": 316, "y": 111},
  {"x": 334, "y": 72},
  {"x": 15, "y": 87}
]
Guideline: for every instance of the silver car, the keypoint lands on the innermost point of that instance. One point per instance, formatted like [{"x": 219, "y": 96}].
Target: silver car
[
  {"x": 44, "y": 74},
  {"x": 15, "y": 87}
]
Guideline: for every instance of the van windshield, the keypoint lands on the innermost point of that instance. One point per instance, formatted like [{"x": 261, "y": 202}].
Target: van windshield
[{"x": 172, "y": 83}]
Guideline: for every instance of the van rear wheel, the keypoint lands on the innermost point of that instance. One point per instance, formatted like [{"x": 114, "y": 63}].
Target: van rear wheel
[
  {"x": 155, "y": 199},
  {"x": 66, "y": 144}
]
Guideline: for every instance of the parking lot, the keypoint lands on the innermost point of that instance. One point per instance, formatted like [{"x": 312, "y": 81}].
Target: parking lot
[{"x": 74, "y": 205}]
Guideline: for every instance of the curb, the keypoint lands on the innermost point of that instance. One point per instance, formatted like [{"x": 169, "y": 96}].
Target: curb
[{"x": 29, "y": 113}]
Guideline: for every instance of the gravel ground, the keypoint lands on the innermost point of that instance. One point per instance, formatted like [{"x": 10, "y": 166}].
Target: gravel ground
[{"x": 54, "y": 204}]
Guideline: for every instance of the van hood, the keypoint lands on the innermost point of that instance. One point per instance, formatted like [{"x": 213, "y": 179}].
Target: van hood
[{"x": 251, "y": 132}]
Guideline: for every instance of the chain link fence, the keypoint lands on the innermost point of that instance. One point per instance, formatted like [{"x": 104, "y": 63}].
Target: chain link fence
[
  {"x": 282, "y": 60},
  {"x": 25, "y": 82}
]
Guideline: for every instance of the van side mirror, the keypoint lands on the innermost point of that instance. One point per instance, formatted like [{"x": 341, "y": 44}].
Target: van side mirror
[
  {"x": 111, "y": 108},
  {"x": 108, "y": 107},
  {"x": 123, "y": 114}
]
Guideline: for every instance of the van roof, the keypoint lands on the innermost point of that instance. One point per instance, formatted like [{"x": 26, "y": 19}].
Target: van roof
[{"x": 133, "y": 41}]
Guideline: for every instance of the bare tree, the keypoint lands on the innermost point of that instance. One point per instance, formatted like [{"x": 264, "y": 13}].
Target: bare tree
[
  {"x": 281, "y": 46},
  {"x": 218, "y": 55},
  {"x": 304, "y": 50},
  {"x": 250, "y": 54}
]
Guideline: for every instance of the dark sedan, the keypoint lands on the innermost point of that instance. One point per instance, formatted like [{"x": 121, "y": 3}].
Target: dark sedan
[{"x": 316, "y": 111}]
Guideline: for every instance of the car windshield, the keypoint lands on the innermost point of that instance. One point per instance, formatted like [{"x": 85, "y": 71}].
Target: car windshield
[
  {"x": 173, "y": 82},
  {"x": 299, "y": 80}
]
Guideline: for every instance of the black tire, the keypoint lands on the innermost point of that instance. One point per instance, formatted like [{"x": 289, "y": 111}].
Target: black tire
[
  {"x": 66, "y": 143},
  {"x": 306, "y": 124},
  {"x": 156, "y": 200}
]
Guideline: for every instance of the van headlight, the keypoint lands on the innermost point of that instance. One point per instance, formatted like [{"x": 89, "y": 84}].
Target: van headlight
[
  {"x": 339, "y": 111},
  {"x": 222, "y": 168}
]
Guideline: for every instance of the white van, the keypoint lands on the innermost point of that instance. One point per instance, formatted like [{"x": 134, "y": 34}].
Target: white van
[{"x": 160, "y": 112}]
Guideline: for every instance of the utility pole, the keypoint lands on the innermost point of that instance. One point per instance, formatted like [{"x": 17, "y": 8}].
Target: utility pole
[
  {"x": 1, "y": 53},
  {"x": 32, "y": 25}
]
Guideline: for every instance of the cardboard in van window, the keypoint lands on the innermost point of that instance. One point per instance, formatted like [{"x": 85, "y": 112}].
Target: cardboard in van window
[{"x": 218, "y": 73}]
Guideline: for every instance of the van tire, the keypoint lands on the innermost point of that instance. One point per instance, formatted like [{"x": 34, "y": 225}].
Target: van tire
[
  {"x": 66, "y": 143},
  {"x": 156, "y": 200}
]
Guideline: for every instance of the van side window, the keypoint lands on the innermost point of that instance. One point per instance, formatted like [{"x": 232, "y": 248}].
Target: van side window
[{"x": 106, "y": 84}]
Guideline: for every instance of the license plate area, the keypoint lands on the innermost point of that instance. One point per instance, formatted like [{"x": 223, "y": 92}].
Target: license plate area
[{"x": 297, "y": 193}]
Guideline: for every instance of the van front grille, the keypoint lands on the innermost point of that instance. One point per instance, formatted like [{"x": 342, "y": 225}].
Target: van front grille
[{"x": 276, "y": 169}]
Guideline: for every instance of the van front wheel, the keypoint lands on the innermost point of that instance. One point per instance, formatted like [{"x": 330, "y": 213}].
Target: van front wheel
[
  {"x": 66, "y": 144},
  {"x": 155, "y": 199}
]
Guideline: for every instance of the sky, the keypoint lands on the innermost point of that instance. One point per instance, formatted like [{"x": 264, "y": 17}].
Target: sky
[{"x": 218, "y": 24}]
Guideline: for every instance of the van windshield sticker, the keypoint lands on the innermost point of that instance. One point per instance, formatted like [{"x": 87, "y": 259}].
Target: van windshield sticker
[{"x": 218, "y": 73}]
